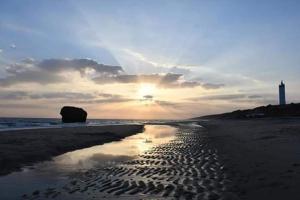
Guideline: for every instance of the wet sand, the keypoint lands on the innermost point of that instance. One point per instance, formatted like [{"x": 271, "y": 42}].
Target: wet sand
[
  {"x": 187, "y": 167},
  {"x": 262, "y": 155},
  {"x": 224, "y": 159},
  {"x": 21, "y": 148}
]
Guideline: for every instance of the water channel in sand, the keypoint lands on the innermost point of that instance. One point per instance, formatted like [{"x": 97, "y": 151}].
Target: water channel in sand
[{"x": 57, "y": 171}]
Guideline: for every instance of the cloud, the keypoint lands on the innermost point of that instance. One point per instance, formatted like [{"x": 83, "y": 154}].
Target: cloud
[
  {"x": 141, "y": 57},
  {"x": 13, "y": 46},
  {"x": 219, "y": 97},
  {"x": 20, "y": 106},
  {"x": 255, "y": 96},
  {"x": 69, "y": 96},
  {"x": 136, "y": 60},
  {"x": 240, "y": 98},
  {"x": 62, "y": 95},
  {"x": 1, "y": 50},
  {"x": 12, "y": 95},
  {"x": 179, "y": 70},
  {"x": 167, "y": 103},
  {"x": 78, "y": 98},
  {"x": 31, "y": 76},
  {"x": 108, "y": 100},
  {"x": 168, "y": 80},
  {"x": 148, "y": 97},
  {"x": 51, "y": 70},
  {"x": 190, "y": 84},
  {"x": 212, "y": 85},
  {"x": 81, "y": 65}
]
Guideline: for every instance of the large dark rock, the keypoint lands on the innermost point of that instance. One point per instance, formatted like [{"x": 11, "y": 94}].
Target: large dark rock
[{"x": 73, "y": 114}]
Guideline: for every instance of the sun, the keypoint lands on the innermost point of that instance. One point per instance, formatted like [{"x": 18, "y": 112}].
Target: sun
[{"x": 146, "y": 91}]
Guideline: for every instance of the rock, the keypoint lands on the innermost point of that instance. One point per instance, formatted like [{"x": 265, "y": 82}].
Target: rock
[{"x": 73, "y": 114}]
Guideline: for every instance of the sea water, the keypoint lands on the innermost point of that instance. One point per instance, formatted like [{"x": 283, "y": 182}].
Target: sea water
[{"x": 33, "y": 123}]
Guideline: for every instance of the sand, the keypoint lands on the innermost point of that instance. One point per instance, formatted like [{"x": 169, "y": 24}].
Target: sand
[
  {"x": 225, "y": 159},
  {"x": 20, "y": 148},
  {"x": 262, "y": 155},
  {"x": 187, "y": 167}
]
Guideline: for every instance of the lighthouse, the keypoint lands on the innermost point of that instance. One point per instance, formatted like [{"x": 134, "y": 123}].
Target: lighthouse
[{"x": 281, "y": 93}]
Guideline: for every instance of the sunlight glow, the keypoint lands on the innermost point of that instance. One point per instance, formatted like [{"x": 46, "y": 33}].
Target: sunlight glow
[{"x": 146, "y": 91}]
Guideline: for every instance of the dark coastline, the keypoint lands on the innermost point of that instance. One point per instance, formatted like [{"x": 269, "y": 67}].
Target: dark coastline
[
  {"x": 19, "y": 148},
  {"x": 269, "y": 111}
]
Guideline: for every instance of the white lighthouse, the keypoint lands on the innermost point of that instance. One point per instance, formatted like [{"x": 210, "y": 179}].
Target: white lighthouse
[{"x": 281, "y": 93}]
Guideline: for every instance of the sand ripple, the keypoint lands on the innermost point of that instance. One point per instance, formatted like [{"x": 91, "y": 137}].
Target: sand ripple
[{"x": 185, "y": 168}]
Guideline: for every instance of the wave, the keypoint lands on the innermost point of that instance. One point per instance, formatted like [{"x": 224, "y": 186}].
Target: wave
[{"x": 33, "y": 123}]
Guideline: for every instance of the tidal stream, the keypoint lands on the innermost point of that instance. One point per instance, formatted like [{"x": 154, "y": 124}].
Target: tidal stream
[{"x": 57, "y": 171}]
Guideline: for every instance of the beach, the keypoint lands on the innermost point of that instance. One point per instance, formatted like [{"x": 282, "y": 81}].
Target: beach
[
  {"x": 20, "y": 148},
  {"x": 186, "y": 167},
  {"x": 207, "y": 159},
  {"x": 262, "y": 155}
]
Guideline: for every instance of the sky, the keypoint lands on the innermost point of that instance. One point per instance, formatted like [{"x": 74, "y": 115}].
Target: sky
[{"x": 139, "y": 59}]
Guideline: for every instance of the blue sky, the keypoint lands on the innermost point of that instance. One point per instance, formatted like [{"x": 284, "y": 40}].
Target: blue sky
[{"x": 247, "y": 47}]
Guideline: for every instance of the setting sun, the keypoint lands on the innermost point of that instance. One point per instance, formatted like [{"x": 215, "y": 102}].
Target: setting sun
[{"x": 146, "y": 91}]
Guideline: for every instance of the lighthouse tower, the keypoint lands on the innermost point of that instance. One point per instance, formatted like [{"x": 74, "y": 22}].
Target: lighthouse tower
[{"x": 281, "y": 93}]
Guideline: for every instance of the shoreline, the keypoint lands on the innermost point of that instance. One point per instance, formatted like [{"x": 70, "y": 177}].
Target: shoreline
[{"x": 19, "y": 148}]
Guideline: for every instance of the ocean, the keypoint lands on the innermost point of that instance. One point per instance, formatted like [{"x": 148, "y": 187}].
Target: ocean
[{"x": 32, "y": 123}]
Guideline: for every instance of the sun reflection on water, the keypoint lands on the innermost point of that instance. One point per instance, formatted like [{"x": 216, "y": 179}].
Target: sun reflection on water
[{"x": 125, "y": 149}]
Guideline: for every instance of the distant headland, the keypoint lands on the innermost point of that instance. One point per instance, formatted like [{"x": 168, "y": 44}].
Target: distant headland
[{"x": 287, "y": 110}]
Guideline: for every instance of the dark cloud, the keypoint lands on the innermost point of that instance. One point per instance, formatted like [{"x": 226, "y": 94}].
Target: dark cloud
[
  {"x": 64, "y": 96},
  {"x": 108, "y": 100},
  {"x": 77, "y": 98},
  {"x": 241, "y": 98},
  {"x": 167, "y": 103},
  {"x": 223, "y": 97},
  {"x": 190, "y": 84},
  {"x": 255, "y": 96},
  {"x": 148, "y": 97},
  {"x": 21, "y": 106},
  {"x": 144, "y": 78},
  {"x": 169, "y": 80},
  {"x": 219, "y": 97},
  {"x": 31, "y": 76},
  {"x": 15, "y": 95},
  {"x": 81, "y": 65},
  {"x": 49, "y": 71},
  {"x": 209, "y": 86}
]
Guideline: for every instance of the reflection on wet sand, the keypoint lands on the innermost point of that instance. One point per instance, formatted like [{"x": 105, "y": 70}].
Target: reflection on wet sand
[
  {"x": 113, "y": 152},
  {"x": 56, "y": 172}
]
